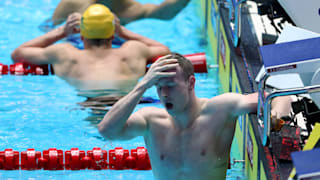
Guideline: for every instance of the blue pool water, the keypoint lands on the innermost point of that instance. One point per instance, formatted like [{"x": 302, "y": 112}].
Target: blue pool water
[{"x": 41, "y": 112}]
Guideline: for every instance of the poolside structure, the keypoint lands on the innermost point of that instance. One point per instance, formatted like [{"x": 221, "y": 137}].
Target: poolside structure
[{"x": 242, "y": 37}]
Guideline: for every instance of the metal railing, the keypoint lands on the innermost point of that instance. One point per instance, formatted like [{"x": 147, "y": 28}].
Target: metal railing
[{"x": 264, "y": 103}]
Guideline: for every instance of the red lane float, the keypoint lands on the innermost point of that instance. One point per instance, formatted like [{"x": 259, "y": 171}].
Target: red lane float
[
  {"x": 75, "y": 159},
  {"x": 198, "y": 60},
  {"x": 98, "y": 158},
  {"x": 141, "y": 157},
  {"x": 25, "y": 69},
  {"x": 117, "y": 158},
  {"x": 29, "y": 159},
  {"x": 52, "y": 159},
  {"x": 3, "y": 69},
  {"x": 9, "y": 159}
]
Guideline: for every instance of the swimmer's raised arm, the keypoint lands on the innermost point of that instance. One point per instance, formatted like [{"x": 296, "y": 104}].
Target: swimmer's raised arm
[
  {"x": 41, "y": 49},
  {"x": 235, "y": 104},
  {"x": 168, "y": 9},
  {"x": 154, "y": 48},
  {"x": 243, "y": 104},
  {"x": 65, "y": 8},
  {"x": 118, "y": 123}
]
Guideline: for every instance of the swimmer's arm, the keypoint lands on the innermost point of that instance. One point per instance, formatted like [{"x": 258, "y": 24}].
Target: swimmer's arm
[
  {"x": 154, "y": 48},
  {"x": 119, "y": 124},
  {"x": 280, "y": 106},
  {"x": 42, "y": 50},
  {"x": 243, "y": 104},
  {"x": 38, "y": 50},
  {"x": 166, "y": 10},
  {"x": 64, "y": 9}
]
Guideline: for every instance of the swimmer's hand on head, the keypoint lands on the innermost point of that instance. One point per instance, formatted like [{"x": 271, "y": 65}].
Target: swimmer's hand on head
[
  {"x": 158, "y": 70},
  {"x": 72, "y": 25},
  {"x": 118, "y": 26},
  {"x": 119, "y": 123}
]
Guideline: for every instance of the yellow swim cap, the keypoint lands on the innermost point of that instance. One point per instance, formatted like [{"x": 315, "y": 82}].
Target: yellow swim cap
[{"x": 97, "y": 22}]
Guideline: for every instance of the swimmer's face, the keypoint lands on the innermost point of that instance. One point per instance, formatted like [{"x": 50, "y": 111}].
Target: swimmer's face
[{"x": 174, "y": 92}]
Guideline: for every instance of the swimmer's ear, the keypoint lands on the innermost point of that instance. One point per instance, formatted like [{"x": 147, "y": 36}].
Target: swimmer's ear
[
  {"x": 192, "y": 82},
  {"x": 81, "y": 38}
]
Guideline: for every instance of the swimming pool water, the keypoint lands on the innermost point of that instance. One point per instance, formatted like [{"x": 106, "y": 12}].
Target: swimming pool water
[{"x": 41, "y": 112}]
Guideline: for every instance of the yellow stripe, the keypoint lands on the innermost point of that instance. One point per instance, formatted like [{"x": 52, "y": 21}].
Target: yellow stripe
[{"x": 312, "y": 141}]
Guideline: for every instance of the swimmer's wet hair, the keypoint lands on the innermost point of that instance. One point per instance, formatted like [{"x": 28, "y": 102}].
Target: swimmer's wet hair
[{"x": 184, "y": 63}]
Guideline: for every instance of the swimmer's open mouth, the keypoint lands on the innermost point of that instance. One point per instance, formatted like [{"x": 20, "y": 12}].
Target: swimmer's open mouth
[{"x": 169, "y": 105}]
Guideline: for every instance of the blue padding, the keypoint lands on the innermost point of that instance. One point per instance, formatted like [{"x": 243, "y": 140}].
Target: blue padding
[
  {"x": 290, "y": 52},
  {"x": 145, "y": 100},
  {"x": 77, "y": 42},
  {"x": 306, "y": 162}
]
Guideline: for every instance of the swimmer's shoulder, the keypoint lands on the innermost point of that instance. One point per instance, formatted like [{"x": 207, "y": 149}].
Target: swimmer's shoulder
[
  {"x": 220, "y": 102},
  {"x": 63, "y": 47},
  {"x": 151, "y": 113},
  {"x": 133, "y": 44},
  {"x": 61, "y": 51},
  {"x": 156, "y": 117},
  {"x": 135, "y": 49}
]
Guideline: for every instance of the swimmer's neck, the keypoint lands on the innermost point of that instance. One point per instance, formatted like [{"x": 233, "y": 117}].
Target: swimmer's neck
[
  {"x": 93, "y": 47},
  {"x": 185, "y": 119}
]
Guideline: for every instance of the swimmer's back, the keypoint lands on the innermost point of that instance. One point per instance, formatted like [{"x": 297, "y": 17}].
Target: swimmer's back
[{"x": 123, "y": 65}]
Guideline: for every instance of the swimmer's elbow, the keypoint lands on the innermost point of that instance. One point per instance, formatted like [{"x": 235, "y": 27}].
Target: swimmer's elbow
[
  {"x": 166, "y": 49},
  {"x": 15, "y": 55},
  {"x": 103, "y": 131},
  {"x": 107, "y": 133}
]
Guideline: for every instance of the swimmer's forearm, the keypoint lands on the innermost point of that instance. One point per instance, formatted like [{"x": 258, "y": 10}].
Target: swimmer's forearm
[
  {"x": 46, "y": 39},
  {"x": 32, "y": 51},
  {"x": 129, "y": 35},
  {"x": 115, "y": 120},
  {"x": 166, "y": 10}
]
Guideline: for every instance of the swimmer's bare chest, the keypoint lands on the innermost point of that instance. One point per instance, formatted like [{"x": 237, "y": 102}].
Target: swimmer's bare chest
[{"x": 189, "y": 154}]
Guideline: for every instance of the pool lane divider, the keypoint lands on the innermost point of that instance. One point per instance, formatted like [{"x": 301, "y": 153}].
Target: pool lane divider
[
  {"x": 75, "y": 159},
  {"x": 26, "y": 69},
  {"x": 198, "y": 61}
]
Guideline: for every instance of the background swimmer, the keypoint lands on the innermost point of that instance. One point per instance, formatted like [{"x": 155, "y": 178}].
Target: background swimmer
[
  {"x": 98, "y": 66},
  {"x": 126, "y": 10}
]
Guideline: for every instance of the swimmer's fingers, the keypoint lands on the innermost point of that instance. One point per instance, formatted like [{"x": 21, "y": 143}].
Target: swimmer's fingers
[
  {"x": 75, "y": 19},
  {"x": 165, "y": 60},
  {"x": 75, "y": 16},
  {"x": 167, "y": 67},
  {"x": 165, "y": 74},
  {"x": 274, "y": 117},
  {"x": 163, "y": 57},
  {"x": 157, "y": 72},
  {"x": 163, "y": 63},
  {"x": 72, "y": 24}
]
